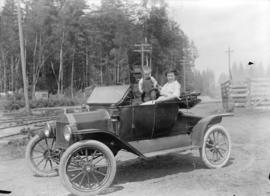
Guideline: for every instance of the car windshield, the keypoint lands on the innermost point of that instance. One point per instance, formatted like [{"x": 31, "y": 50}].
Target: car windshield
[{"x": 108, "y": 94}]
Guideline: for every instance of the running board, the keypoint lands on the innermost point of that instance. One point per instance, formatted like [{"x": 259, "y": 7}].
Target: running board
[{"x": 168, "y": 151}]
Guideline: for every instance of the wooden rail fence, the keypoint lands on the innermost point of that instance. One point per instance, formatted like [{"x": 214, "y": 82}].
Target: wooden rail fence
[{"x": 253, "y": 93}]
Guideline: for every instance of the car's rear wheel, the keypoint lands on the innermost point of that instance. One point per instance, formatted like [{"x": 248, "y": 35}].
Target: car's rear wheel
[
  {"x": 87, "y": 168},
  {"x": 41, "y": 156},
  {"x": 216, "y": 148}
]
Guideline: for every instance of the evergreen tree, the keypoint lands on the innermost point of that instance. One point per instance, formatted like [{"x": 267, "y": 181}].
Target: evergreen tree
[{"x": 70, "y": 45}]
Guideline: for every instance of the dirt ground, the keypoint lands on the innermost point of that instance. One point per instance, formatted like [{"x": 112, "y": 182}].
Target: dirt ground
[{"x": 175, "y": 174}]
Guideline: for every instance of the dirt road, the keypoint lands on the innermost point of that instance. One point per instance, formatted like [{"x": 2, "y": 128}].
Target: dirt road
[{"x": 175, "y": 174}]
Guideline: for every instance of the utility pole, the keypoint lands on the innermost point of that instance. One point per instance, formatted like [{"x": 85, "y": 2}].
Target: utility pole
[
  {"x": 250, "y": 64},
  {"x": 229, "y": 51},
  {"x": 25, "y": 82},
  {"x": 184, "y": 64},
  {"x": 118, "y": 74},
  {"x": 144, "y": 48}
]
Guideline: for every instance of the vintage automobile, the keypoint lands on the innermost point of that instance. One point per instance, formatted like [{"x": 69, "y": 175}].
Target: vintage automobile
[{"x": 82, "y": 146}]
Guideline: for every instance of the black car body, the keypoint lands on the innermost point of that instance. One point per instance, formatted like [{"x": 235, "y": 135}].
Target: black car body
[{"x": 116, "y": 122}]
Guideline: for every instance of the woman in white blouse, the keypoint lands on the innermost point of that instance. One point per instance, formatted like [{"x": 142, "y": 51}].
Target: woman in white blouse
[{"x": 171, "y": 89}]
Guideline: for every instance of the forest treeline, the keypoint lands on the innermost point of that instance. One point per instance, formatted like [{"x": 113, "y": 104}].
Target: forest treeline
[{"x": 72, "y": 44}]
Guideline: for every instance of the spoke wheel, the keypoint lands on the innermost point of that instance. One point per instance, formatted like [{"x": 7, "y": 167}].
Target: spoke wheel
[
  {"x": 42, "y": 157},
  {"x": 216, "y": 148},
  {"x": 87, "y": 168}
]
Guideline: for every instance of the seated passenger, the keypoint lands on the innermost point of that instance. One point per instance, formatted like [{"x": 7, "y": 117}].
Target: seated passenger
[
  {"x": 171, "y": 89},
  {"x": 146, "y": 84},
  {"x": 154, "y": 94}
]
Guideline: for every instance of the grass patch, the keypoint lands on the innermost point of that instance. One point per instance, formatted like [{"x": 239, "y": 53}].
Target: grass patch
[
  {"x": 14, "y": 148},
  {"x": 15, "y": 104}
]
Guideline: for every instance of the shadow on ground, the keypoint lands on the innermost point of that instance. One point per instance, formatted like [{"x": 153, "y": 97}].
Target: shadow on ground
[
  {"x": 136, "y": 170},
  {"x": 156, "y": 167}
]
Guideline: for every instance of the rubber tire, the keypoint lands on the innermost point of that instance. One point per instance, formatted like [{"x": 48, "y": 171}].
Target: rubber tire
[
  {"x": 73, "y": 148},
  {"x": 29, "y": 148},
  {"x": 202, "y": 150}
]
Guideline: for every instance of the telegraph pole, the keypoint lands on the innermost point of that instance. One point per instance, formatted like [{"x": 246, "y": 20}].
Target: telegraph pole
[
  {"x": 144, "y": 48},
  {"x": 184, "y": 64},
  {"x": 229, "y": 51},
  {"x": 250, "y": 64},
  {"x": 25, "y": 82}
]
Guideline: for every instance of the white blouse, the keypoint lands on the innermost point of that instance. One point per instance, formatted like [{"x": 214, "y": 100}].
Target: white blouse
[{"x": 171, "y": 89}]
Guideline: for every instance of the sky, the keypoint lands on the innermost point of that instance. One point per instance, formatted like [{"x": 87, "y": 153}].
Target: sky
[
  {"x": 2, "y": 2},
  {"x": 216, "y": 25}
]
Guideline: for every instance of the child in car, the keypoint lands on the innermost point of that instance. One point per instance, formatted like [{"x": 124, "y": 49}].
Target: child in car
[{"x": 146, "y": 84}]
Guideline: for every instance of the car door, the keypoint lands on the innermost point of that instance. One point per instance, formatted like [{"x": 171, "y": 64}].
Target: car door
[
  {"x": 165, "y": 118},
  {"x": 137, "y": 122},
  {"x": 143, "y": 121}
]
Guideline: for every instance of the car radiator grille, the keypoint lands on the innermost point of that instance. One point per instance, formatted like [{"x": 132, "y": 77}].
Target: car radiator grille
[{"x": 60, "y": 140}]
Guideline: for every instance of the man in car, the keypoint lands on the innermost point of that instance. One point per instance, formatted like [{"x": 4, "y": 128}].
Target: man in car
[{"x": 146, "y": 84}]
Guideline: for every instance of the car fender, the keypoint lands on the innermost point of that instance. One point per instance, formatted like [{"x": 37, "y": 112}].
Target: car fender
[
  {"x": 41, "y": 134},
  {"x": 201, "y": 127},
  {"x": 100, "y": 135}
]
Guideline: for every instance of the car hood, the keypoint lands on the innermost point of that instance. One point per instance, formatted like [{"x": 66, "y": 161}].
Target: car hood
[{"x": 97, "y": 119}]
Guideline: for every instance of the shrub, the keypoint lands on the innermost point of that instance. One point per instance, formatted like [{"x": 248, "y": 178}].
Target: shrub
[{"x": 15, "y": 104}]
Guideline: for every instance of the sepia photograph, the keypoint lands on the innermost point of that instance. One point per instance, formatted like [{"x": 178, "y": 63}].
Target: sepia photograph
[{"x": 135, "y": 97}]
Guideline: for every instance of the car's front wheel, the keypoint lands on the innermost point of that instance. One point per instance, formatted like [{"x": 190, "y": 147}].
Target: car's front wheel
[
  {"x": 216, "y": 148},
  {"x": 41, "y": 156},
  {"x": 87, "y": 168}
]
